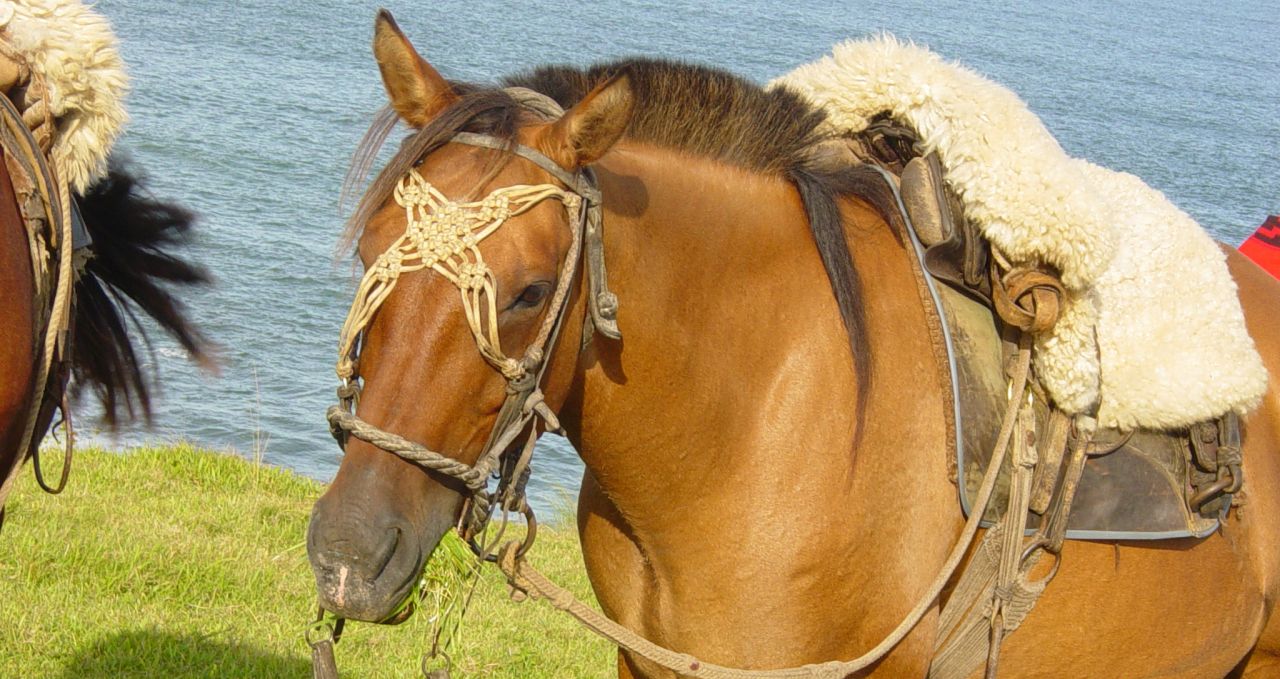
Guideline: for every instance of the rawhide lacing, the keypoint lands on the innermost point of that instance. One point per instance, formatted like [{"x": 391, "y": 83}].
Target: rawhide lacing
[{"x": 444, "y": 236}]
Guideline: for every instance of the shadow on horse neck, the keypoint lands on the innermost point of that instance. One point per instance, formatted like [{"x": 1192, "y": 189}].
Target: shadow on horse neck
[{"x": 134, "y": 271}]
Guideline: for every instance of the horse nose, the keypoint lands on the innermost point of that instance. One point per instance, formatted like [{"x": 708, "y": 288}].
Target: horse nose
[
  {"x": 366, "y": 558},
  {"x": 362, "y": 572}
]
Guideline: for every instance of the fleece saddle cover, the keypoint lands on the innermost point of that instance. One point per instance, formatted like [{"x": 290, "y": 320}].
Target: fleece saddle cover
[
  {"x": 75, "y": 50},
  {"x": 1151, "y": 334},
  {"x": 1139, "y": 491}
]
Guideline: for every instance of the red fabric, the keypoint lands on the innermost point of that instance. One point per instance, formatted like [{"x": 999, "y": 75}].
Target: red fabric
[{"x": 1263, "y": 247}]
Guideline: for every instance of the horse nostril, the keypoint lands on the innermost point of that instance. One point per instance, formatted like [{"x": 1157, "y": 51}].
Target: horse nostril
[
  {"x": 382, "y": 555},
  {"x": 357, "y": 550}
]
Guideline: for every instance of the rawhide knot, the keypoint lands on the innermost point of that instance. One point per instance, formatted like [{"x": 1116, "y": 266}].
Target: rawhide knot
[
  {"x": 511, "y": 369},
  {"x": 346, "y": 368},
  {"x": 533, "y": 358},
  {"x": 1027, "y": 298},
  {"x": 524, "y": 383},
  {"x": 348, "y": 390},
  {"x": 608, "y": 303},
  {"x": 475, "y": 515}
]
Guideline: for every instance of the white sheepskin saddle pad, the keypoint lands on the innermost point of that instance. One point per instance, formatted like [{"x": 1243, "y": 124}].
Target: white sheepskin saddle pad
[
  {"x": 1152, "y": 334},
  {"x": 75, "y": 50}
]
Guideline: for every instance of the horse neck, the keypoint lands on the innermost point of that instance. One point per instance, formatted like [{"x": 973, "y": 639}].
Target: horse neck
[
  {"x": 17, "y": 341},
  {"x": 734, "y": 377}
]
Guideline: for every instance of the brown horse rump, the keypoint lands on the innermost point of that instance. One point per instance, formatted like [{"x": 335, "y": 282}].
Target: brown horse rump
[{"x": 1143, "y": 484}]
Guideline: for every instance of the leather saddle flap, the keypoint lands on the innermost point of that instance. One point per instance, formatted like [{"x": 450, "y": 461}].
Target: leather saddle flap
[{"x": 1137, "y": 492}]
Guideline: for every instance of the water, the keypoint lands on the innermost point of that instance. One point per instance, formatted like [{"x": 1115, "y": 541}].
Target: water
[{"x": 247, "y": 112}]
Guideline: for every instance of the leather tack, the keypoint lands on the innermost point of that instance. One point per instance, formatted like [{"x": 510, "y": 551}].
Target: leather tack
[{"x": 919, "y": 196}]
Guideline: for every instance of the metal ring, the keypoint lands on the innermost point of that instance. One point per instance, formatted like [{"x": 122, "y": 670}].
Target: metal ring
[
  {"x": 321, "y": 626},
  {"x": 531, "y": 530},
  {"x": 428, "y": 657},
  {"x": 531, "y": 534},
  {"x": 476, "y": 549},
  {"x": 1043, "y": 544}
]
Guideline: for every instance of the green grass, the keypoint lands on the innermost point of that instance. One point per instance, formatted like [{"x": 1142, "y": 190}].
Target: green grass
[{"x": 178, "y": 562}]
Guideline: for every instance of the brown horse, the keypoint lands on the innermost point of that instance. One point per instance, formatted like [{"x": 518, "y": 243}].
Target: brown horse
[
  {"x": 736, "y": 505},
  {"x": 130, "y": 273}
]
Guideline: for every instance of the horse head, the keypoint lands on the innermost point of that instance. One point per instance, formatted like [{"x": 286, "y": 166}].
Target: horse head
[{"x": 469, "y": 240}]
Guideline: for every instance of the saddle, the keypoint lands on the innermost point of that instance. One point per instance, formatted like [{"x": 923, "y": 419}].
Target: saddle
[
  {"x": 1135, "y": 485},
  {"x": 1067, "y": 477}
]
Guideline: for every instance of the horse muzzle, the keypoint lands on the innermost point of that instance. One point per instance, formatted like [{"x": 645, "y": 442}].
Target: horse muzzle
[{"x": 364, "y": 571}]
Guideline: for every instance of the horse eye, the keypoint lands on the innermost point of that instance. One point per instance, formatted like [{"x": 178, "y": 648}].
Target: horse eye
[{"x": 532, "y": 296}]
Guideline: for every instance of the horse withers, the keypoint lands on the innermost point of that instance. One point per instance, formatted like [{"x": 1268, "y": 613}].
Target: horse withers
[{"x": 737, "y": 505}]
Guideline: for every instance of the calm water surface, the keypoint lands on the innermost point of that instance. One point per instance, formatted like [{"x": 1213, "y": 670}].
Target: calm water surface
[{"x": 247, "y": 112}]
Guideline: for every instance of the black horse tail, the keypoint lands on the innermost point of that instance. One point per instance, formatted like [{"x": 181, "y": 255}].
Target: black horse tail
[{"x": 133, "y": 271}]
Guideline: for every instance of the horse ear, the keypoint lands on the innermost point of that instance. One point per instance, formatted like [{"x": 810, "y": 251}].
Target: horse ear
[
  {"x": 588, "y": 130},
  {"x": 417, "y": 91}
]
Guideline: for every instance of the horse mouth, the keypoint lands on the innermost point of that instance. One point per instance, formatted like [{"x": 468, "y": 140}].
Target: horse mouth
[
  {"x": 402, "y": 613},
  {"x": 354, "y": 597}
]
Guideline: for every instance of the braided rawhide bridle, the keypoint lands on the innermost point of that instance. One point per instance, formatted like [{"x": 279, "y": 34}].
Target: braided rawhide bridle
[{"x": 444, "y": 236}]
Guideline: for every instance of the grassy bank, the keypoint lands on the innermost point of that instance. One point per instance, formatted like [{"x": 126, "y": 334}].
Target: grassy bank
[{"x": 178, "y": 562}]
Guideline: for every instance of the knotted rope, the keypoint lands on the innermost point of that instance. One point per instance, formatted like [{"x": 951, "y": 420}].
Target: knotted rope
[
  {"x": 444, "y": 236},
  {"x": 474, "y": 477}
]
